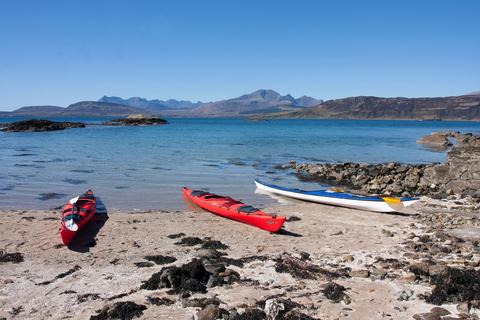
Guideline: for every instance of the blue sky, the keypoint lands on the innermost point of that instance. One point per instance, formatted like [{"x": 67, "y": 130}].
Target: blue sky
[{"x": 60, "y": 52}]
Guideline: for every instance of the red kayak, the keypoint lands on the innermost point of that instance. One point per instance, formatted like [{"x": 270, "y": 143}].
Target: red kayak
[
  {"x": 234, "y": 209},
  {"x": 76, "y": 214}
]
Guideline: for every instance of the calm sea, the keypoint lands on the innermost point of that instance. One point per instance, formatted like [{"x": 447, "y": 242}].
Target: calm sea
[{"x": 145, "y": 167}]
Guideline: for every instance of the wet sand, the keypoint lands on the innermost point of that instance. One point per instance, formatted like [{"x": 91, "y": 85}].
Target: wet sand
[{"x": 347, "y": 247}]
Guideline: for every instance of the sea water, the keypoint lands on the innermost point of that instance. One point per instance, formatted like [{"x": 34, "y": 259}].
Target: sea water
[{"x": 143, "y": 168}]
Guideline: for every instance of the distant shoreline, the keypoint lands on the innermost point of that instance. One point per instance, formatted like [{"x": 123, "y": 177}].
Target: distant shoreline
[{"x": 6, "y": 119}]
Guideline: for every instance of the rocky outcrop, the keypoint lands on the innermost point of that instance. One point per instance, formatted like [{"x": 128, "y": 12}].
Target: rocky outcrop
[
  {"x": 136, "y": 120},
  {"x": 459, "y": 175},
  {"x": 35, "y": 125},
  {"x": 438, "y": 141}
]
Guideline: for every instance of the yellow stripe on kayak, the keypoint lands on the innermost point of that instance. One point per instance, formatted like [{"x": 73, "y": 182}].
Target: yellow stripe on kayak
[
  {"x": 336, "y": 189},
  {"x": 392, "y": 200}
]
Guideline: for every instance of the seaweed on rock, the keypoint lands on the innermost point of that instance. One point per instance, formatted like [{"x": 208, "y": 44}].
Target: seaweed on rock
[
  {"x": 190, "y": 277},
  {"x": 125, "y": 310}
]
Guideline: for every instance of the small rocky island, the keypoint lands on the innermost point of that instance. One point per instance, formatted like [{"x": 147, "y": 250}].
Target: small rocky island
[
  {"x": 137, "y": 120},
  {"x": 38, "y": 125}
]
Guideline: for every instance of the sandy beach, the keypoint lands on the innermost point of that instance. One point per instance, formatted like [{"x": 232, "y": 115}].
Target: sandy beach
[{"x": 366, "y": 254}]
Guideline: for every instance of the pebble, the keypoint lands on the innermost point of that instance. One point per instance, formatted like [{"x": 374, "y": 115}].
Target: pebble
[
  {"x": 211, "y": 312},
  {"x": 405, "y": 295},
  {"x": 409, "y": 277},
  {"x": 360, "y": 273}
]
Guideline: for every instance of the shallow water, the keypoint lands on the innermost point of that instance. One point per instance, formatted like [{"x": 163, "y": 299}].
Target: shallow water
[{"x": 145, "y": 167}]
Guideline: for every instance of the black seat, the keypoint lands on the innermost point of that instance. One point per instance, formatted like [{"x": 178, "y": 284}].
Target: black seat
[
  {"x": 198, "y": 193},
  {"x": 247, "y": 209}
]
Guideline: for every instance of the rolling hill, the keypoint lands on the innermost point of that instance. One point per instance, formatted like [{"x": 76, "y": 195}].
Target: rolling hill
[{"x": 366, "y": 107}]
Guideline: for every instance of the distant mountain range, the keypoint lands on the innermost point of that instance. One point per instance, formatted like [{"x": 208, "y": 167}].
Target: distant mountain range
[
  {"x": 268, "y": 104},
  {"x": 258, "y": 102},
  {"x": 465, "y": 107},
  {"x": 154, "y": 105}
]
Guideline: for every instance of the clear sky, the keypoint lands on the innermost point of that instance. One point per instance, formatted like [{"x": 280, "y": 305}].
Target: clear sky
[{"x": 60, "y": 52}]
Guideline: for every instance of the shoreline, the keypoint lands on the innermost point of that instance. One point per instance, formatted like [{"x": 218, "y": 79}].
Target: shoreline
[{"x": 332, "y": 263}]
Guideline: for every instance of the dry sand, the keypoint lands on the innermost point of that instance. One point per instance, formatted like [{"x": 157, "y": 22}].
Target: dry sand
[{"x": 334, "y": 237}]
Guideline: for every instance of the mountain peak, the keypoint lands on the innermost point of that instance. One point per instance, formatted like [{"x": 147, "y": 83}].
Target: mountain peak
[{"x": 267, "y": 94}]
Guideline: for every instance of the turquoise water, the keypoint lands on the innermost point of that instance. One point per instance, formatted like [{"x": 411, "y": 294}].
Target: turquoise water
[{"x": 145, "y": 167}]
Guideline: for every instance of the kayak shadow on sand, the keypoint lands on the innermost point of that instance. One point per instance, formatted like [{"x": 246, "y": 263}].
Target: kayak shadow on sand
[
  {"x": 85, "y": 239},
  {"x": 284, "y": 232}
]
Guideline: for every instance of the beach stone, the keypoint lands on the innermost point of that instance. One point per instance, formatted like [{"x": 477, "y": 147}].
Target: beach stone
[
  {"x": 359, "y": 273},
  {"x": 348, "y": 258},
  {"x": 409, "y": 277},
  {"x": 377, "y": 273},
  {"x": 439, "y": 311},
  {"x": 426, "y": 316},
  {"x": 463, "y": 307},
  {"x": 466, "y": 233},
  {"x": 211, "y": 312},
  {"x": 207, "y": 253},
  {"x": 273, "y": 308},
  {"x": 405, "y": 295},
  {"x": 419, "y": 269}
]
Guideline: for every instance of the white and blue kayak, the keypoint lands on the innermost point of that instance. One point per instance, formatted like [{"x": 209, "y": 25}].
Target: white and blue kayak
[{"x": 342, "y": 199}]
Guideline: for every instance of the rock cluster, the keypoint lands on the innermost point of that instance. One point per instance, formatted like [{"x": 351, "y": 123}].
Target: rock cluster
[
  {"x": 387, "y": 179},
  {"x": 459, "y": 175},
  {"x": 36, "y": 125}
]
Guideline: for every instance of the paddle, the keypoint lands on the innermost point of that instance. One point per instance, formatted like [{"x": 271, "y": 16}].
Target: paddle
[
  {"x": 71, "y": 225},
  {"x": 73, "y": 200},
  {"x": 395, "y": 203}
]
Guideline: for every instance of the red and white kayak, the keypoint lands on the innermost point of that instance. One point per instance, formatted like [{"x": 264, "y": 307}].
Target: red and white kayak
[
  {"x": 76, "y": 214},
  {"x": 234, "y": 209}
]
